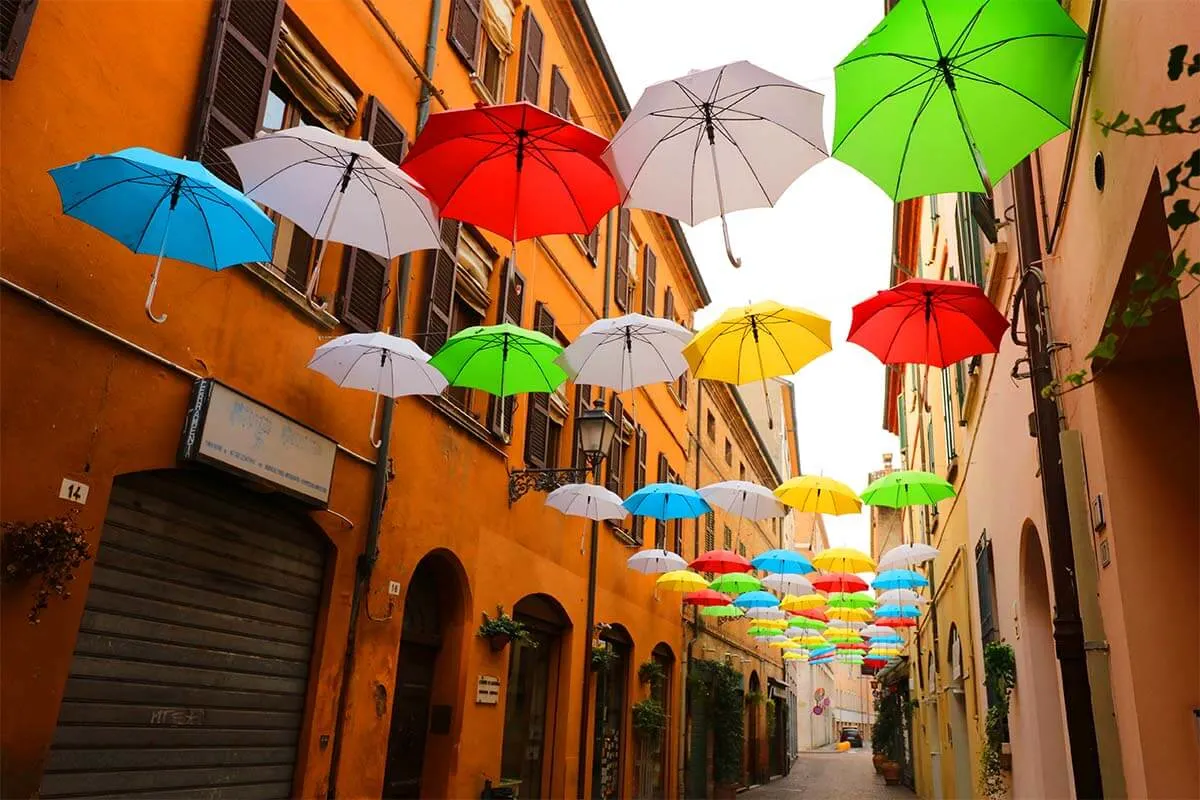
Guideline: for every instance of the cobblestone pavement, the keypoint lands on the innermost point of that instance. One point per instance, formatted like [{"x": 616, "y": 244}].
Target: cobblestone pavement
[{"x": 829, "y": 774}]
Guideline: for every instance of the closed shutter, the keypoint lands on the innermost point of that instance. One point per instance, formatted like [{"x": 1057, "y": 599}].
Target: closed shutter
[
  {"x": 464, "y": 28},
  {"x": 710, "y": 532},
  {"x": 616, "y": 450},
  {"x": 902, "y": 423},
  {"x": 537, "y": 424},
  {"x": 621, "y": 279},
  {"x": 960, "y": 387},
  {"x": 985, "y": 577},
  {"x": 948, "y": 416},
  {"x": 639, "y": 480},
  {"x": 591, "y": 244},
  {"x": 583, "y": 401},
  {"x": 364, "y": 276},
  {"x": 560, "y": 94},
  {"x": 191, "y": 667},
  {"x": 16, "y": 18},
  {"x": 512, "y": 306},
  {"x": 529, "y": 80},
  {"x": 660, "y": 527},
  {"x": 241, "y": 55},
  {"x": 440, "y": 304},
  {"x": 727, "y": 536},
  {"x": 650, "y": 276}
]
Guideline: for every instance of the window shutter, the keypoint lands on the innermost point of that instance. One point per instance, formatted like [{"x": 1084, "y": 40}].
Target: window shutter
[
  {"x": 727, "y": 537},
  {"x": 902, "y": 422},
  {"x": 615, "y": 450},
  {"x": 668, "y": 304},
  {"x": 621, "y": 279},
  {"x": 241, "y": 54},
  {"x": 512, "y": 306},
  {"x": 710, "y": 532},
  {"x": 364, "y": 277},
  {"x": 677, "y": 525},
  {"x": 660, "y": 527},
  {"x": 16, "y": 18},
  {"x": 537, "y": 424},
  {"x": 591, "y": 244},
  {"x": 683, "y": 390},
  {"x": 583, "y": 400},
  {"x": 464, "y": 28},
  {"x": 960, "y": 386},
  {"x": 986, "y": 582},
  {"x": 529, "y": 80},
  {"x": 441, "y": 289},
  {"x": 650, "y": 273},
  {"x": 560, "y": 94},
  {"x": 639, "y": 480},
  {"x": 948, "y": 415}
]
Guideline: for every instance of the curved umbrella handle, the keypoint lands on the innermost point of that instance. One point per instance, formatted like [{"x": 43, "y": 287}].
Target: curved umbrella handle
[
  {"x": 737, "y": 262},
  {"x": 162, "y": 248},
  {"x": 376, "y": 443}
]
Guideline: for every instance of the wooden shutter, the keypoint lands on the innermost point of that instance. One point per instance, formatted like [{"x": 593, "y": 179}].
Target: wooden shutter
[
  {"x": 537, "y": 423},
  {"x": 529, "y": 80},
  {"x": 364, "y": 276},
  {"x": 241, "y": 53},
  {"x": 583, "y": 400},
  {"x": 989, "y": 627},
  {"x": 591, "y": 244},
  {"x": 727, "y": 537},
  {"x": 16, "y": 18},
  {"x": 512, "y": 306},
  {"x": 668, "y": 304},
  {"x": 650, "y": 275},
  {"x": 616, "y": 450},
  {"x": 710, "y": 531},
  {"x": 660, "y": 527},
  {"x": 440, "y": 305},
  {"x": 560, "y": 94},
  {"x": 464, "y": 29},
  {"x": 639, "y": 479},
  {"x": 621, "y": 279}
]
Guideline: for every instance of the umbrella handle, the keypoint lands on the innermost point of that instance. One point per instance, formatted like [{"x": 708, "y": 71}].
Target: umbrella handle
[
  {"x": 162, "y": 248},
  {"x": 376, "y": 443},
  {"x": 737, "y": 262},
  {"x": 316, "y": 273},
  {"x": 712, "y": 150}
]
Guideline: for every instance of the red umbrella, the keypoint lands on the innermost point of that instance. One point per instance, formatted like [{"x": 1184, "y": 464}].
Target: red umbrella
[
  {"x": 897, "y": 622},
  {"x": 853, "y": 646},
  {"x": 839, "y": 582},
  {"x": 515, "y": 170},
  {"x": 706, "y": 597},
  {"x": 812, "y": 613},
  {"x": 928, "y": 322},
  {"x": 720, "y": 562}
]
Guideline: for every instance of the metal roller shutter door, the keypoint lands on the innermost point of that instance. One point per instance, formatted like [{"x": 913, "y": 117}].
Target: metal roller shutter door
[{"x": 191, "y": 666}]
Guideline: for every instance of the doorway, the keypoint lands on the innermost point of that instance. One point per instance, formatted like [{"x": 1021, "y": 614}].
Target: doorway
[
  {"x": 753, "y": 699},
  {"x": 608, "y": 740}
]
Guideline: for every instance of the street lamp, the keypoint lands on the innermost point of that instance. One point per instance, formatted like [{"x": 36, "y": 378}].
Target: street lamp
[{"x": 594, "y": 432}]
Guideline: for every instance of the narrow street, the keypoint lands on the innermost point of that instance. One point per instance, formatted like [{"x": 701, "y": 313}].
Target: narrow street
[{"x": 826, "y": 773}]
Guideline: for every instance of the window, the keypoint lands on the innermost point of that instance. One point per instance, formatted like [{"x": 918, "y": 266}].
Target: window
[
  {"x": 902, "y": 424},
  {"x": 480, "y": 32},
  {"x": 741, "y": 471},
  {"x": 621, "y": 283},
  {"x": 710, "y": 538},
  {"x": 681, "y": 384},
  {"x": 529, "y": 78},
  {"x": 930, "y": 444},
  {"x": 618, "y": 449},
  {"x": 463, "y": 315},
  {"x": 676, "y": 525},
  {"x": 547, "y": 411},
  {"x": 16, "y": 18},
  {"x": 560, "y": 94},
  {"x": 742, "y": 550},
  {"x": 948, "y": 416},
  {"x": 727, "y": 537},
  {"x": 640, "y": 451},
  {"x": 985, "y": 577},
  {"x": 729, "y": 452},
  {"x": 960, "y": 391},
  {"x": 663, "y": 475},
  {"x": 710, "y": 426},
  {"x": 649, "y": 279},
  {"x": 954, "y": 652},
  {"x": 970, "y": 241}
]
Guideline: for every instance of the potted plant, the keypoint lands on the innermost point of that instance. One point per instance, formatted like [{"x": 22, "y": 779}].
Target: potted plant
[
  {"x": 603, "y": 656},
  {"x": 999, "y": 675},
  {"x": 649, "y": 719},
  {"x": 52, "y": 549},
  {"x": 886, "y": 741},
  {"x": 879, "y": 738},
  {"x": 651, "y": 672},
  {"x": 502, "y": 629}
]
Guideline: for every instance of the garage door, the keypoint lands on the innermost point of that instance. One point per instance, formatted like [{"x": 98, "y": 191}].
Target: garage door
[{"x": 191, "y": 667}]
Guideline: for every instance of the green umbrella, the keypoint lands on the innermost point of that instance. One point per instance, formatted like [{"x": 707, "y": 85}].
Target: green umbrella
[
  {"x": 758, "y": 630},
  {"x": 735, "y": 583},
  {"x": 945, "y": 94},
  {"x": 804, "y": 623},
  {"x": 851, "y": 600},
  {"x": 907, "y": 488},
  {"x": 721, "y": 611},
  {"x": 501, "y": 360}
]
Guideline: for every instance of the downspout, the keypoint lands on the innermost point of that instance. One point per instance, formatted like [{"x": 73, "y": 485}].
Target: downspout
[
  {"x": 1068, "y": 627},
  {"x": 684, "y": 750},
  {"x": 365, "y": 567}
]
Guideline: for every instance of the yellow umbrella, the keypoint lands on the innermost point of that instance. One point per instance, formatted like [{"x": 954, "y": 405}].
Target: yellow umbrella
[
  {"x": 788, "y": 645},
  {"x": 802, "y": 603},
  {"x": 681, "y": 580},
  {"x": 811, "y": 641},
  {"x": 792, "y": 655},
  {"x": 778, "y": 624},
  {"x": 756, "y": 342},
  {"x": 843, "y": 559},
  {"x": 885, "y": 651},
  {"x": 850, "y": 614},
  {"x": 817, "y": 494}
]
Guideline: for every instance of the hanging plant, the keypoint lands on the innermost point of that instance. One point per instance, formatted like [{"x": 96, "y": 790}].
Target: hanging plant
[
  {"x": 502, "y": 629},
  {"x": 603, "y": 656},
  {"x": 649, "y": 718},
  {"x": 651, "y": 672},
  {"x": 52, "y": 549},
  {"x": 754, "y": 698},
  {"x": 1000, "y": 675},
  {"x": 721, "y": 686}
]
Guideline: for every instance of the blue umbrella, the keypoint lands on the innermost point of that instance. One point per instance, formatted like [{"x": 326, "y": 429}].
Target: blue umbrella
[
  {"x": 818, "y": 652},
  {"x": 784, "y": 561},
  {"x": 899, "y": 579},
  {"x": 666, "y": 501},
  {"x": 897, "y": 611},
  {"x": 756, "y": 600},
  {"x": 175, "y": 208},
  {"x": 885, "y": 640}
]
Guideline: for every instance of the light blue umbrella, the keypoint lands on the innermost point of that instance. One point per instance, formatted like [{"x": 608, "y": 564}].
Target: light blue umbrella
[
  {"x": 174, "y": 208},
  {"x": 893, "y": 612},
  {"x": 756, "y": 600},
  {"x": 782, "y": 561},
  {"x": 890, "y": 639},
  {"x": 819, "y": 652},
  {"x": 666, "y": 501},
  {"x": 899, "y": 579}
]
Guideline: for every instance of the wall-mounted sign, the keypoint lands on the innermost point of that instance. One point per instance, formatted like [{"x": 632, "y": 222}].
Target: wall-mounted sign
[
  {"x": 233, "y": 432},
  {"x": 487, "y": 690}
]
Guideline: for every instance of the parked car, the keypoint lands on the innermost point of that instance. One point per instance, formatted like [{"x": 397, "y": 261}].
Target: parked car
[{"x": 852, "y": 736}]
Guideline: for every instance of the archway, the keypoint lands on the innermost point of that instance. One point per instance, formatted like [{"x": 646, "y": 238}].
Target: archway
[
  {"x": 612, "y": 691},
  {"x": 655, "y": 756},
  {"x": 420, "y": 740},
  {"x": 753, "y": 700},
  {"x": 959, "y": 739}
]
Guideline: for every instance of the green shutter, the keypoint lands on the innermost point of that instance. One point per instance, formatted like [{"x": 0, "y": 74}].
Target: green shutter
[{"x": 902, "y": 423}]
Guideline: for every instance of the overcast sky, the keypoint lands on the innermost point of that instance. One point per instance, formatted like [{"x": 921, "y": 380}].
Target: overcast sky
[{"x": 824, "y": 247}]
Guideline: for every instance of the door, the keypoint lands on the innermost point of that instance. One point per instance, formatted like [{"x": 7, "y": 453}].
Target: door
[
  {"x": 525, "y": 728},
  {"x": 608, "y": 744},
  {"x": 962, "y": 746},
  {"x": 191, "y": 665}
]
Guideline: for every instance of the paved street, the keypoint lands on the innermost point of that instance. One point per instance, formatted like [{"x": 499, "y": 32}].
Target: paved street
[{"x": 829, "y": 774}]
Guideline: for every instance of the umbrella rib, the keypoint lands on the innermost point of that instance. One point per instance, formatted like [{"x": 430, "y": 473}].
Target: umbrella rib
[
  {"x": 496, "y": 153},
  {"x": 150, "y": 218},
  {"x": 766, "y": 195},
  {"x": 1008, "y": 40},
  {"x": 933, "y": 30},
  {"x": 101, "y": 190},
  {"x": 574, "y": 201},
  {"x": 759, "y": 118},
  {"x": 933, "y": 87},
  {"x": 965, "y": 33},
  {"x": 980, "y": 78},
  {"x": 678, "y": 130},
  {"x": 786, "y": 359},
  {"x": 915, "y": 82},
  {"x": 212, "y": 240},
  {"x": 223, "y": 202}
]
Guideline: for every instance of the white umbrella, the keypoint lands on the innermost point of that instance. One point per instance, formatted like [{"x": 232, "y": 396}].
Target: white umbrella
[
  {"x": 847, "y": 624},
  {"x": 789, "y": 584},
  {"x": 378, "y": 362},
  {"x": 765, "y": 613},
  {"x": 778, "y": 638},
  {"x": 872, "y": 631},
  {"x": 906, "y": 555},
  {"x": 587, "y": 500},
  {"x": 626, "y": 352},
  {"x": 655, "y": 562},
  {"x": 715, "y": 141},
  {"x": 337, "y": 189},
  {"x": 745, "y": 499},
  {"x": 899, "y": 597}
]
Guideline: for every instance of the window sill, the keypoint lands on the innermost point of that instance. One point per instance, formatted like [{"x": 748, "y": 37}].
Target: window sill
[
  {"x": 952, "y": 469},
  {"x": 623, "y": 536},
  {"x": 481, "y": 90},
  {"x": 579, "y": 242},
  {"x": 295, "y": 300}
]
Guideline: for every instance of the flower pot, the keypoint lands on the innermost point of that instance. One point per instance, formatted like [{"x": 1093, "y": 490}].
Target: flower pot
[
  {"x": 878, "y": 760},
  {"x": 499, "y": 641},
  {"x": 891, "y": 773}
]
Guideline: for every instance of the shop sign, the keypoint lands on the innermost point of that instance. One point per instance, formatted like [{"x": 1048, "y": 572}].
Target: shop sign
[
  {"x": 487, "y": 690},
  {"x": 230, "y": 431}
]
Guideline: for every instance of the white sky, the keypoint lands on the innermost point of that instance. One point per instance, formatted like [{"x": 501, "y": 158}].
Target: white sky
[{"x": 824, "y": 247}]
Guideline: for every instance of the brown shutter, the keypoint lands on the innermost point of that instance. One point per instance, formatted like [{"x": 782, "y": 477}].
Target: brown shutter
[
  {"x": 512, "y": 306},
  {"x": 591, "y": 244},
  {"x": 583, "y": 400},
  {"x": 639, "y": 480},
  {"x": 560, "y": 94},
  {"x": 16, "y": 18},
  {"x": 660, "y": 527},
  {"x": 464, "y": 28},
  {"x": 681, "y": 388},
  {"x": 241, "y": 54},
  {"x": 710, "y": 531},
  {"x": 364, "y": 276},
  {"x": 677, "y": 525},
  {"x": 669, "y": 304},
  {"x": 441, "y": 289},
  {"x": 650, "y": 273},
  {"x": 537, "y": 423},
  {"x": 615, "y": 450},
  {"x": 529, "y": 80},
  {"x": 621, "y": 279}
]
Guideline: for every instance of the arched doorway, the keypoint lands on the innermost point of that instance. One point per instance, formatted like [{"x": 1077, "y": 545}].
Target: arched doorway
[
  {"x": 959, "y": 740},
  {"x": 612, "y": 691},
  {"x": 531, "y": 699},
  {"x": 753, "y": 698},
  {"x": 654, "y": 756},
  {"x": 426, "y": 674}
]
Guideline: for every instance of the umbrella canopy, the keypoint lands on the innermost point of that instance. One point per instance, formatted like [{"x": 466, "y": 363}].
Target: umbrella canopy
[
  {"x": 761, "y": 630},
  {"x": 839, "y": 582},
  {"x": 744, "y": 499},
  {"x": 156, "y": 204},
  {"x": 756, "y": 600},
  {"x": 596, "y": 502},
  {"x": 777, "y": 637},
  {"x": 733, "y": 582},
  {"x": 811, "y": 640},
  {"x": 925, "y": 321},
  {"x": 775, "y": 624},
  {"x": 788, "y": 583},
  {"x": 721, "y": 562},
  {"x": 817, "y": 494},
  {"x": 897, "y": 622},
  {"x": 802, "y": 602},
  {"x": 901, "y": 597},
  {"x": 795, "y": 655},
  {"x": 627, "y": 352},
  {"x": 668, "y": 501},
  {"x": 948, "y": 95},
  {"x": 890, "y": 612},
  {"x": 851, "y": 600},
  {"x": 848, "y": 625},
  {"x": 784, "y": 561},
  {"x": 898, "y": 579},
  {"x": 905, "y": 488},
  {"x": 769, "y": 613},
  {"x": 501, "y": 360},
  {"x": 763, "y": 340},
  {"x": 906, "y": 555},
  {"x": 647, "y": 562},
  {"x": 890, "y": 640},
  {"x": 515, "y": 170},
  {"x": 813, "y": 613},
  {"x": 716, "y": 141},
  {"x": 884, "y": 651},
  {"x": 786, "y": 644},
  {"x": 874, "y": 631},
  {"x": 806, "y": 624},
  {"x": 843, "y": 559},
  {"x": 705, "y": 597},
  {"x": 721, "y": 611},
  {"x": 681, "y": 580},
  {"x": 850, "y": 614}
]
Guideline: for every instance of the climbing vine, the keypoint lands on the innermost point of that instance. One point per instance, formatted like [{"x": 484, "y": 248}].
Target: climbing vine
[{"x": 1000, "y": 676}]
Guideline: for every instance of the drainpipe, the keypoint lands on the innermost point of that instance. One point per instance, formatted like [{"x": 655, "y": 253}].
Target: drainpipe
[
  {"x": 1068, "y": 627},
  {"x": 697, "y": 623},
  {"x": 365, "y": 567}
]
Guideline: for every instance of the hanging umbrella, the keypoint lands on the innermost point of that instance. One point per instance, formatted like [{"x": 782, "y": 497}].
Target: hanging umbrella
[
  {"x": 812, "y": 640},
  {"x": 884, "y": 651},
  {"x": 627, "y": 352},
  {"x": 716, "y": 141},
  {"x": 778, "y": 637},
  {"x": 784, "y": 561},
  {"x": 516, "y": 170},
  {"x": 898, "y": 579},
  {"x": 906, "y": 555},
  {"x": 848, "y": 625},
  {"x": 647, "y": 562},
  {"x": 770, "y": 613},
  {"x": 813, "y": 613},
  {"x": 166, "y": 206},
  {"x": 720, "y": 562},
  {"x": 817, "y": 494},
  {"x": 897, "y": 622},
  {"x": 744, "y": 499},
  {"x": 756, "y": 600},
  {"x": 681, "y": 580},
  {"x": 948, "y": 95},
  {"x": 788, "y": 583},
  {"x": 802, "y": 602},
  {"x": 596, "y": 502},
  {"x": 668, "y": 501},
  {"x": 756, "y": 342},
  {"x": 851, "y": 600},
  {"x": 721, "y": 611},
  {"x": 501, "y": 360},
  {"x": 378, "y": 362},
  {"x": 337, "y": 189},
  {"x": 901, "y": 597},
  {"x": 839, "y": 582},
  {"x": 843, "y": 559},
  {"x": 776, "y": 624},
  {"x": 876, "y": 631},
  {"x": 734, "y": 582},
  {"x": 760, "y": 629},
  {"x": 804, "y": 623},
  {"x": 850, "y": 614},
  {"x": 907, "y": 488},
  {"x": 794, "y": 655},
  {"x": 891, "y": 640},
  {"x": 822, "y": 650},
  {"x": 925, "y": 321},
  {"x": 786, "y": 644},
  {"x": 705, "y": 597},
  {"x": 893, "y": 611}
]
